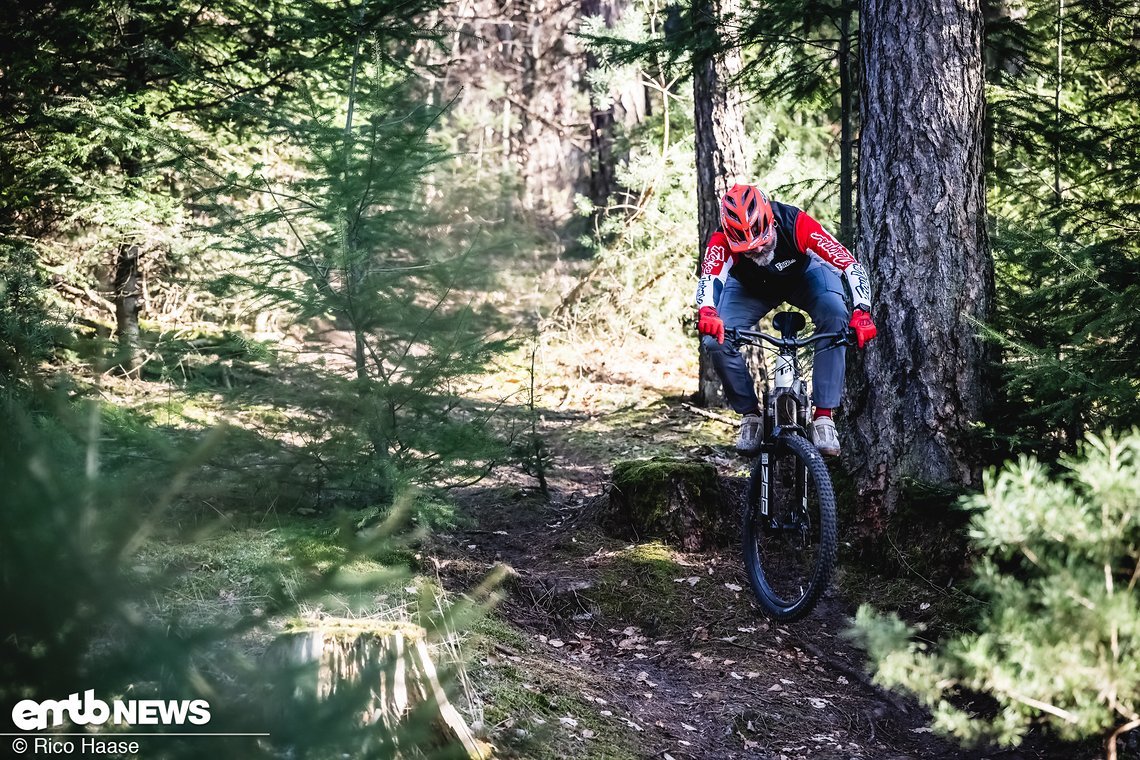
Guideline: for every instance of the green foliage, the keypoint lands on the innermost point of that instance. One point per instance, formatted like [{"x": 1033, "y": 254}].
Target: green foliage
[
  {"x": 1062, "y": 107},
  {"x": 1066, "y": 322},
  {"x": 27, "y": 333},
  {"x": 363, "y": 240},
  {"x": 1059, "y": 642},
  {"x": 107, "y": 595}
]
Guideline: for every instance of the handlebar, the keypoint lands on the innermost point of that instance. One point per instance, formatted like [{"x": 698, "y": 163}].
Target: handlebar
[{"x": 753, "y": 337}]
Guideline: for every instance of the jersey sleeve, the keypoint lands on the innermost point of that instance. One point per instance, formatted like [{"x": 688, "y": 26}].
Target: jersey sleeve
[
  {"x": 811, "y": 237},
  {"x": 715, "y": 265}
]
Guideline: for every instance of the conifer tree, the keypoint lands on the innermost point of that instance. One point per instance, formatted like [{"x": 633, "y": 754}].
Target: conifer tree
[
  {"x": 363, "y": 238},
  {"x": 1058, "y": 642},
  {"x": 1064, "y": 112}
]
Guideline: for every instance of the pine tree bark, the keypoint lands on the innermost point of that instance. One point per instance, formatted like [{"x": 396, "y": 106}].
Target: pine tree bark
[
  {"x": 126, "y": 299},
  {"x": 719, "y": 126},
  {"x": 922, "y": 232},
  {"x": 603, "y": 177}
]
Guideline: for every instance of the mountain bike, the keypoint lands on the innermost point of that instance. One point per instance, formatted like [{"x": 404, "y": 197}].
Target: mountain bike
[{"x": 788, "y": 524}]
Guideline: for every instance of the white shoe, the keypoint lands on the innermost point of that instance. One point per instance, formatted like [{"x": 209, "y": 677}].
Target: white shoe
[
  {"x": 751, "y": 431},
  {"x": 824, "y": 437}
]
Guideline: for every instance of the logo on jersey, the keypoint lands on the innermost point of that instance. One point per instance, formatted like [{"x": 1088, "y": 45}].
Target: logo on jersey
[
  {"x": 782, "y": 265},
  {"x": 714, "y": 258},
  {"x": 839, "y": 256}
]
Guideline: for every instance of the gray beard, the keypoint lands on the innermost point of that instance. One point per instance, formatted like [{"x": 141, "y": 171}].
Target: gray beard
[{"x": 763, "y": 259}]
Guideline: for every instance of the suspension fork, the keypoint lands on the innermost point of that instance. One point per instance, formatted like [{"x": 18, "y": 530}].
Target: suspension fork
[{"x": 765, "y": 479}]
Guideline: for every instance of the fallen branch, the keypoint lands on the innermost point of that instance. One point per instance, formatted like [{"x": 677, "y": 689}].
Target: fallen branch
[
  {"x": 710, "y": 415},
  {"x": 87, "y": 294}
]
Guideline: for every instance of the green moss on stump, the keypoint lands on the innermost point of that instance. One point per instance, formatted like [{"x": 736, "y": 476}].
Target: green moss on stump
[{"x": 677, "y": 501}]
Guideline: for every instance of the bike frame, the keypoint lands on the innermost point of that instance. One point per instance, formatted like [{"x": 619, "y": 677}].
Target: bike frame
[{"x": 786, "y": 402}]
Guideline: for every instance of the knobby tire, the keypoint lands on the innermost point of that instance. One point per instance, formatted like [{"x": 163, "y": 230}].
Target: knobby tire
[{"x": 766, "y": 550}]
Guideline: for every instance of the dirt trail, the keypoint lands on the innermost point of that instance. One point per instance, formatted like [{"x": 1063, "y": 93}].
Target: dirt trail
[{"x": 665, "y": 652}]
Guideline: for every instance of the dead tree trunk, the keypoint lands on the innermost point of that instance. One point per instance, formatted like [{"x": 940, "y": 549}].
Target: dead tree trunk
[{"x": 924, "y": 381}]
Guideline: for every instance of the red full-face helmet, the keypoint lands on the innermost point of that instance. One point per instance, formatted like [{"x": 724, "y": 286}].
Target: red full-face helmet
[{"x": 746, "y": 218}]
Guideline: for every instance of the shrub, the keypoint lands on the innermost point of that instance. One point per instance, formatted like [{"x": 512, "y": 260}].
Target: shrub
[{"x": 1058, "y": 644}]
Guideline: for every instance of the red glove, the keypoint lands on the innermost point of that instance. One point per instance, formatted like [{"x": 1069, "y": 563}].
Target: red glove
[
  {"x": 863, "y": 326},
  {"x": 710, "y": 323}
]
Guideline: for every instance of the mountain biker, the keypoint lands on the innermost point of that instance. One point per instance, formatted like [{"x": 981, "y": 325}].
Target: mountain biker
[{"x": 766, "y": 253}]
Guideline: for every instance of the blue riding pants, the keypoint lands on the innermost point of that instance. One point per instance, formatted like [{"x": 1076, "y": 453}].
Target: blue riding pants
[{"x": 819, "y": 292}]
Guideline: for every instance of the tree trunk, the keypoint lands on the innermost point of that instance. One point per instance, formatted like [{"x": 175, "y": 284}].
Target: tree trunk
[
  {"x": 719, "y": 126},
  {"x": 922, "y": 232},
  {"x": 603, "y": 179},
  {"x": 126, "y": 298},
  {"x": 126, "y": 286}
]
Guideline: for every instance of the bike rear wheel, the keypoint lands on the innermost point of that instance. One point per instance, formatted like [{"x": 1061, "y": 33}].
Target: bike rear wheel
[{"x": 790, "y": 552}]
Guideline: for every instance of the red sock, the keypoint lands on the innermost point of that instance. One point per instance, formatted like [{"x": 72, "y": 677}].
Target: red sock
[{"x": 821, "y": 413}]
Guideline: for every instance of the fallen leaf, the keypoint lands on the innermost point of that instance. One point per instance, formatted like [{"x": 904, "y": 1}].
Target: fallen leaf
[
  {"x": 737, "y": 676},
  {"x": 733, "y": 587},
  {"x": 568, "y": 721},
  {"x": 687, "y": 727}
]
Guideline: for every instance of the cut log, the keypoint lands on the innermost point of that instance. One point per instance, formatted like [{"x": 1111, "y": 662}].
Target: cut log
[
  {"x": 392, "y": 655},
  {"x": 677, "y": 501}
]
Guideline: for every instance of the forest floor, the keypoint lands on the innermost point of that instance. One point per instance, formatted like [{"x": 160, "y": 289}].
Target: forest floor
[{"x": 618, "y": 649}]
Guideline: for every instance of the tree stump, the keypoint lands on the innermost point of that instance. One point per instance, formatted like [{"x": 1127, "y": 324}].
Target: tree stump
[
  {"x": 394, "y": 657},
  {"x": 677, "y": 501}
]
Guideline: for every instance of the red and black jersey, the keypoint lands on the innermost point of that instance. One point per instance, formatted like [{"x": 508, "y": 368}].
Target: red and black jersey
[{"x": 798, "y": 236}]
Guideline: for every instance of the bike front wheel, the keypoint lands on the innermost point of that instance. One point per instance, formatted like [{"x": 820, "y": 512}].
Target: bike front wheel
[{"x": 789, "y": 552}]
